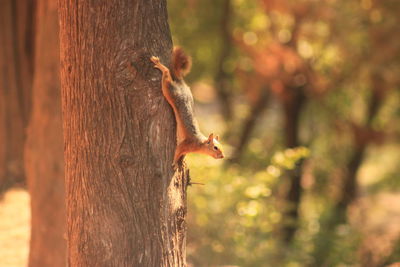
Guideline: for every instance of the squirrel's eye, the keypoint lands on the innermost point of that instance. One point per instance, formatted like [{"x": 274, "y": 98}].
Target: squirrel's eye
[{"x": 215, "y": 148}]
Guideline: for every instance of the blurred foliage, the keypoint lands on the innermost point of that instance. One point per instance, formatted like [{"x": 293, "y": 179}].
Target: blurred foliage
[
  {"x": 344, "y": 56},
  {"x": 237, "y": 211}
]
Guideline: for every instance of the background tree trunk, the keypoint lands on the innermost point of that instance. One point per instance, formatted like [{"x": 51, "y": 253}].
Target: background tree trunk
[
  {"x": 292, "y": 111},
  {"x": 44, "y": 146},
  {"x": 350, "y": 185},
  {"x": 222, "y": 79},
  {"x": 249, "y": 124},
  {"x": 16, "y": 68},
  {"x": 125, "y": 204}
]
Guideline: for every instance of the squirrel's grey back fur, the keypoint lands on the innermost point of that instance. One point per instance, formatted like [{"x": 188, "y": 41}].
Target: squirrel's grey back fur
[{"x": 182, "y": 95}]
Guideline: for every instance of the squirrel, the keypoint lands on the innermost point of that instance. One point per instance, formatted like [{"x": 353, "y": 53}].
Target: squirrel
[{"x": 179, "y": 96}]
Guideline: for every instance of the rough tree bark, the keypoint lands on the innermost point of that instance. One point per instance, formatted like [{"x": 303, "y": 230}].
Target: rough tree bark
[
  {"x": 44, "y": 162},
  {"x": 16, "y": 59},
  {"x": 125, "y": 204}
]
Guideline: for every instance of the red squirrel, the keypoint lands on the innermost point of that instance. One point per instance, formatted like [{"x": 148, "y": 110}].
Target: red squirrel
[{"x": 179, "y": 96}]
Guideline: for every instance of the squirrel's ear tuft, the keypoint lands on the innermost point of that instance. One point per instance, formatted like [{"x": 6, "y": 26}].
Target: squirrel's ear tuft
[
  {"x": 181, "y": 62},
  {"x": 211, "y": 137},
  {"x": 217, "y": 137}
]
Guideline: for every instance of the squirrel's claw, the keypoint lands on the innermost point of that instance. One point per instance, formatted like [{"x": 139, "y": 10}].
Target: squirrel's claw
[
  {"x": 155, "y": 60},
  {"x": 157, "y": 63}
]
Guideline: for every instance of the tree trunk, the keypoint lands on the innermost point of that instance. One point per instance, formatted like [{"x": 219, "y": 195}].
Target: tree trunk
[
  {"x": 44, "y": 162},
  {"x": 292, "y": 110},
  {"x": 16, "y": 27},
  {"x": 125, "y": 204},
  {"x": 350, "y": 188},
  {"x": 350, "y": 185},
  {"x": 249, "y": 124},
  {"x": 221, "y": 78}
]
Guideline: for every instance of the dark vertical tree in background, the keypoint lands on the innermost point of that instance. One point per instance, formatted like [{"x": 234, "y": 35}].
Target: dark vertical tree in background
[
  {"x": 292, "y": 107},
  {"x": 125, "y": 204},
  {"x": 250, "y": 123},
  {"x": 16, "y": 69},
  {"x": 363, "y": 136},
  {"x": 221, "y": 77},
  {"x": 44, "y": 146}
]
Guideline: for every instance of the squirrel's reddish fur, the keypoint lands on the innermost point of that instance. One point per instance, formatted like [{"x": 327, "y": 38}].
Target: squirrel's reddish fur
[
  {"x": 181, "y": 63},
  {"x": 179, "y": 96}
]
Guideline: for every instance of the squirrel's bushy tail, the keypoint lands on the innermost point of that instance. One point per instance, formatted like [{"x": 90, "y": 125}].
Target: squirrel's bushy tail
[{"x": 181, "y": 63}]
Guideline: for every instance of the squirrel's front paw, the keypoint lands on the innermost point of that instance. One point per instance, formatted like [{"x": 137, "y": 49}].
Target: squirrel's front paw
[{"x": 155, "y": 60}]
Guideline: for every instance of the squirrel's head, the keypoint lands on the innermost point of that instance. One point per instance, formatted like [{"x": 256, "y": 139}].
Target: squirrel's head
[{"x": 213, "y": 148}]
